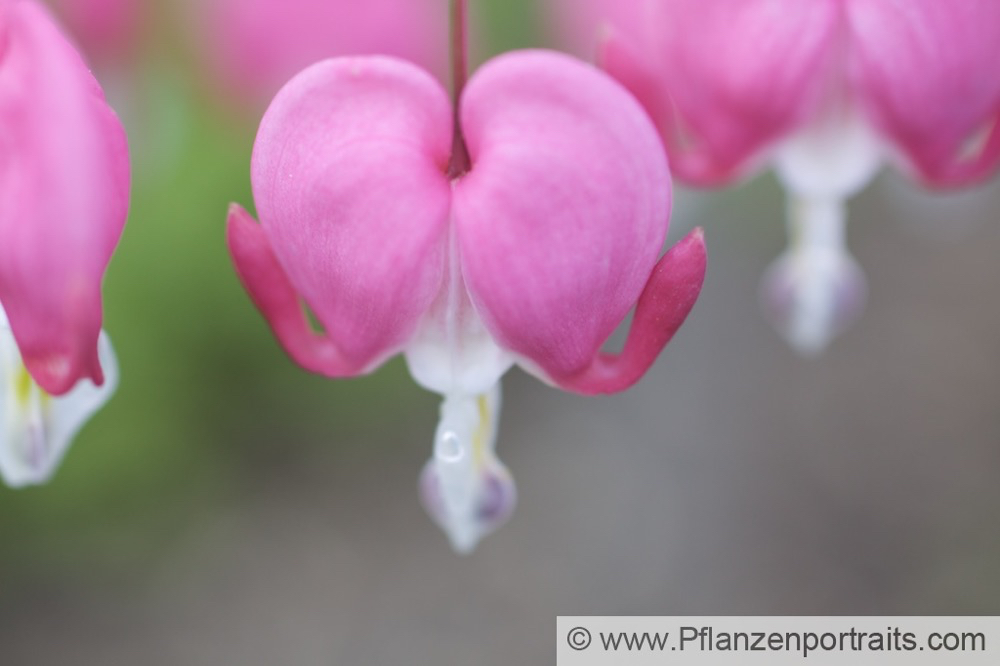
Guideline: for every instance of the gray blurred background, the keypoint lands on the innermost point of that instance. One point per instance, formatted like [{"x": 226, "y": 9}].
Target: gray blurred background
[{"x": 228, "y": 508}]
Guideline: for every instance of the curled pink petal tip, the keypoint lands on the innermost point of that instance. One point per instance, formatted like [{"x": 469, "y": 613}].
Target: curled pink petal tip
[
  {"x": 276, "y": 298},
  {"x": 665, "y": 303},
  {"x": 57, "y": 374}
]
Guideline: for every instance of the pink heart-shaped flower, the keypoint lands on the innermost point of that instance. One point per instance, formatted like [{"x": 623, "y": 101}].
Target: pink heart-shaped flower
[
  {"x": 826, "y": 91},
  {"x": 531, "y": 255},
  {"x": 550, "y": 238}
]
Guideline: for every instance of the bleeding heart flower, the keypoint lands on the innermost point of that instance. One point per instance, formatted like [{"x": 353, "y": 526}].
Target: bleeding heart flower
[
  {"x": 826, "y": 91},
  {"x": 64, "y": 179},
  {"x": 528, "y": 249},
  {"x": 257, "y": 45}
]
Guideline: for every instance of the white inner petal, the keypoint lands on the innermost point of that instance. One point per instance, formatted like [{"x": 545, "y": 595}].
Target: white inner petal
[
  {"x": 832, "y": 158},
  {"x": 452, "y": 352},
  {"x": 37, "y": 428},
  {"x": 816, "y": 289},
  {"x": 464, "y": 487},
  {"x": 460, "y": 358}
]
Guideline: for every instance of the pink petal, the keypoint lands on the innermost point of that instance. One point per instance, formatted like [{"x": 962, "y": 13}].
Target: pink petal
[
  {"x": 104, "y": 28},
  {"x": 276, "y": 298},
  {"x": 741, "y": 73},
  {"x": 259, "y": 44},
  {"x": 64, "y": 180},
  {"x": 618, "y": 56},
  {"x": 348, "y": 175},
  {"x": 561, "y": 218},
  {"x": 665, "y": 303},
  {"x": 929, "y": 73}
]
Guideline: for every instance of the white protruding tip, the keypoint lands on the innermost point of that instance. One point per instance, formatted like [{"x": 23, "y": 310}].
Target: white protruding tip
[
  {"x": 811, "y": 297},
  {"x": 465, "y": 489},
  {"x": 36, "y": 428}
]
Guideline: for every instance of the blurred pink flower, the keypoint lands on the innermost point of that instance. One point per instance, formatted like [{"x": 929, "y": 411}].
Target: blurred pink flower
[
  {"x": 257, "y": 45},
  {"x": 531, "y": 256},
  {"x": 577, "y": 25},
  {"x": 826, "y": 91},
  {"x": 64, "y": 185},
  {"x": 105, "y": 29}
]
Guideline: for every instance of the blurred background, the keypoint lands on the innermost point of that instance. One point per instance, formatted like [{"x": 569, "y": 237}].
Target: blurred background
[{"x": 227, "y": 507}]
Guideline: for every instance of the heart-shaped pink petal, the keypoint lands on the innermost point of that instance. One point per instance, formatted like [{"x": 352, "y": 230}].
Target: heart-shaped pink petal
[
  {"x": 740, "y": 73},
  {"x": 349, "y": 179},
  {"x": 927, "y": 72},
  {"x": 565, "y": 209}
]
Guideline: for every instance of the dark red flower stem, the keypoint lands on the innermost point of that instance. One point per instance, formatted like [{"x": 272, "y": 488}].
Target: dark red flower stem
[{"x": 460, "y": 162}]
